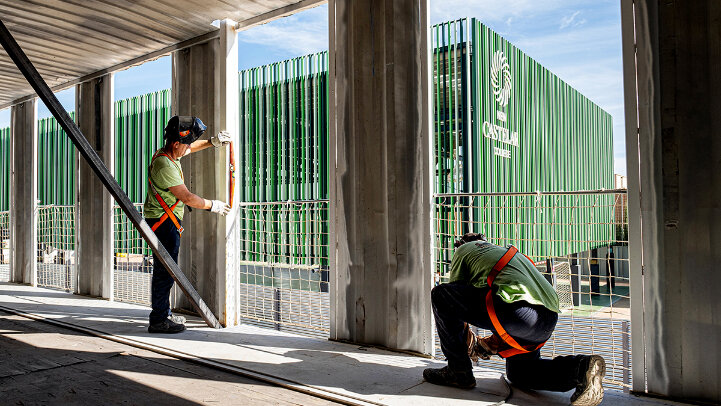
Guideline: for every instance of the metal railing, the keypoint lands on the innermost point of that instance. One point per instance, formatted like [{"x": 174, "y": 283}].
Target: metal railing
[
  {"x": 133, "y": 261},
  {"x": 284, "y": 274},
  {"x": 283, "y": 271},
  {"x": 4, "y": 246},
  {"x": 578, "y": 241},
  {"x": 56, "y": 267}
]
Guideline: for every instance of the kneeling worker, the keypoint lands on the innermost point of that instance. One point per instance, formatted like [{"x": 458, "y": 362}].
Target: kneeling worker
[
  {"x": 163, "y": 208},
  {"x": 500, "y": 289}
]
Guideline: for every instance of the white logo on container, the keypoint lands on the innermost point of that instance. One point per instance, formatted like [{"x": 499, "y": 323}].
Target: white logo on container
[
  {"x": 501, "y": 83},
  {"x": 501, "y": 78}
]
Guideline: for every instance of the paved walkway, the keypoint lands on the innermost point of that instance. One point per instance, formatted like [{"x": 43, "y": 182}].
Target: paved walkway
[{"x": 342, "y": 372}]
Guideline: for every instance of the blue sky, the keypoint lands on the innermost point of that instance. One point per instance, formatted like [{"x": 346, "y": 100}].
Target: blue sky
[{"x": 579, "y": 40}]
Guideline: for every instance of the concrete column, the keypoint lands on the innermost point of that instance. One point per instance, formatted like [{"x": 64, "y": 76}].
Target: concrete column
[
  {"x": 205, "y": 85},
  {"x": 380, "y": 197},
  {"x": 94, "y": 222},
  {"x": 674, "y": 141},
  {"x": 23, "y": 193}
]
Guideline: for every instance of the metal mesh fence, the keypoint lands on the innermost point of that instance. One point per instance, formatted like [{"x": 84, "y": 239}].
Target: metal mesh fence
[
  {"x": 56, "y": 247},
  {"x": 4, "y": 246},
  {"x": 284, "y": 275},
  {"x": 283, "y": 171},
  {"x": 133, "y": 261},
  {"x": 593, "y": 284}
]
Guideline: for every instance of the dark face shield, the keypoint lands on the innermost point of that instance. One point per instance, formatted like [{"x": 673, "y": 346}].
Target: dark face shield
[{"x": 184, "y": 129}]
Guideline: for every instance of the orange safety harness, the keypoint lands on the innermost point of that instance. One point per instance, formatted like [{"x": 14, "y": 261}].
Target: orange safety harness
[
  {"x": 515, "y": 347},
  {"x": 231, "y": 185},
  {"x": 168, "y": 210}
]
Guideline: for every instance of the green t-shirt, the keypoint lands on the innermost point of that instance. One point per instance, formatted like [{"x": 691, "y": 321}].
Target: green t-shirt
[
  {"x": 164, "y": 173},
  {"x": 519, "y": 280}
]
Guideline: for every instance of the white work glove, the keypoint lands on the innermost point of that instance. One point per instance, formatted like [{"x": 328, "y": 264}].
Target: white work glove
[
  {"x": 222, "y": 139},
  {"x": 219, "y": 207}
]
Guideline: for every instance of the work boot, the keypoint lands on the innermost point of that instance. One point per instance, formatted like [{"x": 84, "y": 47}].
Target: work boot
[
  {"x": 166, "y": 326},
  {"x": 176, "y": 319},
  {"x": 589, "y": 391},
  {"x": 445, "y": 376}
]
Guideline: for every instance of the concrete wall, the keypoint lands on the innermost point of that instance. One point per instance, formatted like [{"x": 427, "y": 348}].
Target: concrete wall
[
  {"x": 674, "y": 150},
  {"x": 94, "y": 231},
  {"x": 205, "y": 85},
  {"x": 23, "y": 193},
  {"x": 380, "y": 192}
]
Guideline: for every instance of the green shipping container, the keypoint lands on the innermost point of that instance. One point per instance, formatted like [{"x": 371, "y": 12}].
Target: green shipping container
[
  {"x": 56, "y": 164},
  {"x": 504, "y": 124},
  {"x": 139, "y": 124},
  {"x": 283, "y": 158}
]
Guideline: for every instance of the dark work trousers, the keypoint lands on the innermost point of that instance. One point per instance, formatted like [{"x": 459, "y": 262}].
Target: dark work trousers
[
  {"x": 456, "y": 303},
  {"x": 162, "y": 281}
]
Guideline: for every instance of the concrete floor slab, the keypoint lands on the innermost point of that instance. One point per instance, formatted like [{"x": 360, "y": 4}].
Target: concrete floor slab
[
  {"x": 42, "y": 364},
  {"x": 353, "y": 374}
]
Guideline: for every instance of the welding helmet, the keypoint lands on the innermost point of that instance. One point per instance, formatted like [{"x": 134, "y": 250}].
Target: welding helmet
[{"x": 184, "y": 129}]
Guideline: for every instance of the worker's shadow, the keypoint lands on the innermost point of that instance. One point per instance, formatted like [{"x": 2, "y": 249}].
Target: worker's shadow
[
  {"x": 366, "y": 372},
  {"x": 350, "y": 369}
]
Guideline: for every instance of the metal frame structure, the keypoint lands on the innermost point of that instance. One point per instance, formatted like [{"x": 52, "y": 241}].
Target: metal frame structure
[
  {"x": 86, "y": 150},
  {"x": 638, "y": 366}
]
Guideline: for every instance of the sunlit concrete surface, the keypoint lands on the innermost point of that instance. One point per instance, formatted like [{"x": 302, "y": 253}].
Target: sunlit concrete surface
[
  {"x": 42, "y": 364},
  {"x": 347, "y": 373}
]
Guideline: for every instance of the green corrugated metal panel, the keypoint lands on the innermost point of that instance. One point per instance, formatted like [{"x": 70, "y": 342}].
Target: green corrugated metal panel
[
  {"x": 528, "y": 131},
  {"x": 542, "y": 135},
  {"x": 283, "y": 157},
  {"x": 283, "y": 130},
  {"x": 139, "y": 123},
  {"x": 450, "y": 95},
  {"x": 555, "y": 124},
  {"x": 450, "y": 61},
  {"x": 56, "y": 164},
  {"x": 5, "y": 169},
  {"x": 56, "y": 183}
]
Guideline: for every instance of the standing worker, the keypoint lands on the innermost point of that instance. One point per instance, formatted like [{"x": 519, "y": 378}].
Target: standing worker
[
  {"x": 501, "y": 290},
  {"x": 163, "y": 209}
]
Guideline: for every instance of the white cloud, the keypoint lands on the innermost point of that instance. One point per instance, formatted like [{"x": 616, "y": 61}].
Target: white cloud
[
  {"x": 571, "y": 20},
  {"x": 299, "y": 34}
]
